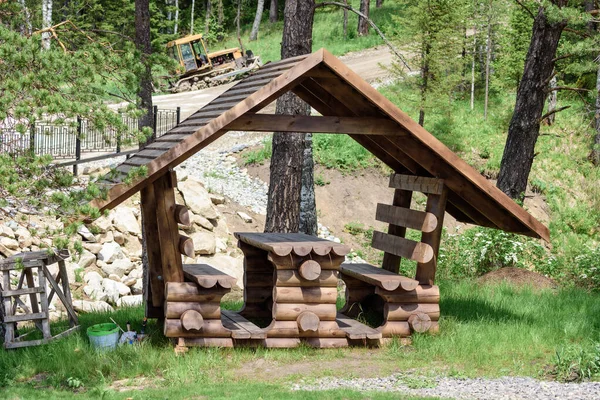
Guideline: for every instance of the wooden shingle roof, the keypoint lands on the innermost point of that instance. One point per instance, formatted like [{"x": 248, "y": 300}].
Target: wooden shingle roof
[{"x": 347, "y": 104}]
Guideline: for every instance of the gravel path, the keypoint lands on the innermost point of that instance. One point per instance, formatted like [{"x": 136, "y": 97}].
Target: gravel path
[{"x": 513, "y": 388}]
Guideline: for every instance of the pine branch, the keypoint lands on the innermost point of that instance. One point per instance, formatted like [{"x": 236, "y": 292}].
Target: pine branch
[
  {"x": 557, "y": 110},
  {"x": 349, "y": 8},
  {"x": 567, "y": 88},
  {"x": 525, "y": 8}
]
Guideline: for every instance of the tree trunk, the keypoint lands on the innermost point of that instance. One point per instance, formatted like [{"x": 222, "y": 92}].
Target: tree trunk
[
  {"x": 46, "y": 23},
  {"x": 488, "y": 59},
  {"x": 257, "y": 18},
  {"x": 473, "y": 67},
  {"x": 524, "y": 126},
  {"x": 595, "y": 155},
  {"x": 175, "y": 26},
  {"x": 207, "y": 17},
  {"x": 345, "y": 20},
  {"x": 26, "y": 28},
  {"x": 273, "y": 17},
  {"x": 363, "y": 24},
  {"x": 424, "y": 81},
  {"x": 291, "y": 175},
  {"x": 143, "y": 45},
  {"x": 192, "y": 17},
  {"x": 552, "y": 100},
  {"x": 237, "y": 21},
  {"x": 378, "y": 3}
]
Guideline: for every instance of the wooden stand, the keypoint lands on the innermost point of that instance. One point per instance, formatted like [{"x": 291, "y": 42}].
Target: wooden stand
[
  {"x": 38, "y": 296},
  {"x": 409, "y": 305}
]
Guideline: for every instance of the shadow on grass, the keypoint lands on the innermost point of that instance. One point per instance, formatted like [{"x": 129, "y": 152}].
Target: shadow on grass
[{"x": 466, "y": 310}]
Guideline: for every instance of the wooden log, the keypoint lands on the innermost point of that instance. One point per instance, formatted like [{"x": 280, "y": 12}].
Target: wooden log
[
  {"x": 191, "y": 320},
  {"x": 401, "y": 216},
  {"x": 308, "y": 321},
  {"x": 417, "y": 183},
  {"x": 422, "y": 294},
  {"x": 207, "y": 310},
  {"x": 356, "y": 330},
  {"x": 182, "y": 215},
  {"x": 391, "y": 262},
  {"x": 328, "y": 278},
  {"x": 255, "y": 260},
  {"x": 154, "y": 293},
  {"x": 207, "y": 276},
  {"x": 279, "y": 329},
  {"x": 395, "y": 328},
  {"x": 241, "y": 327},
  {"x": 352, "y": 282},
  {"x": 323, "y": 295},
  {"x": 401, "y": 312},
  {"x": 292, "y": 261},
  {"x": 210, "y": 328},
  {"x": 419, "y": 322},
  {"x": 416, "y": 251},
  {"x": 191, "y": 292},
  {"x": 290, "y": 329},
  {"x": 186, "y": 246},
  {"x": 310, "y": 270},
  {"x": 326, "y": 343},
  {"x": 281, "y": 343},
  {"x": 290, "y": 312},
  {"x": 379, "y": 277},
  {"x": 206, "y": 342},
  {"x": 436, "y": 204}
]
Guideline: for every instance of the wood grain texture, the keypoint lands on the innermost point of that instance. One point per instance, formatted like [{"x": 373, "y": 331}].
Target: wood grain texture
[
  {"x": 210, "y": 328},
  {"x": 378, "y": 277},
  {"x": 286, "y": 278},
  {"x": 191, "y": 292},
  {"x": 422, "y": 294},
  {"x": 324, "y": 295},
  {"x": 401, "y": 312},
  {"x": 417, "y": 183},
  {"x": 416, "y": 251},
  {"x": 191, "y": 320},
  {"x": 400, "y": 216},
  {"x": 207, "y": 276},
  {"x": 174, "y": 309}
]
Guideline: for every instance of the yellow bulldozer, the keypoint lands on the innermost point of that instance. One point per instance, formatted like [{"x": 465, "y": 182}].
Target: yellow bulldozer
[{"x": 199, "y": 69}]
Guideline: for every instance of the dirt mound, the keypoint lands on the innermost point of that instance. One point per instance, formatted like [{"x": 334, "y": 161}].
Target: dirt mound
[{"x": 518, "y": 277}]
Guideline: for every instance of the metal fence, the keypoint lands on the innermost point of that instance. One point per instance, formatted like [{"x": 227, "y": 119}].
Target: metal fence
[{"x": 72, "y": 140}]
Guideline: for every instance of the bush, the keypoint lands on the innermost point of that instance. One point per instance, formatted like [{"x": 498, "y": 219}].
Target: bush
[{"x": 587, "y": 267}]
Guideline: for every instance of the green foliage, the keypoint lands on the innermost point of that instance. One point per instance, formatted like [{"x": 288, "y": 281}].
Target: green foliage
[
  {"x": 577, "y": 362},
  {"x": 257, "y": 157},
  {"x": 320, "y": 180},
  {"x": 341, "y": 152},
  {"x": 587, "y": 265}
]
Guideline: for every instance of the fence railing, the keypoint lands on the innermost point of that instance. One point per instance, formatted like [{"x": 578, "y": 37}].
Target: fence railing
[{"x": 71, "y": 141}]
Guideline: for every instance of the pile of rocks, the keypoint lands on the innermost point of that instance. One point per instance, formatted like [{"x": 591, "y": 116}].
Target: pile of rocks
[{"x": 107, "y": 271}]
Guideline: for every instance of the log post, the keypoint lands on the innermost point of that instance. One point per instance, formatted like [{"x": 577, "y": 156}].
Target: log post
[
  {"x": 154, "y": 290},
  {"x": 186, "y": 246},
  {"x": 402, "y": 198},
  {"x": 182, "y": 215},
  {"x": 436, "y": 204},
  {"x": 168, "y": 231}
]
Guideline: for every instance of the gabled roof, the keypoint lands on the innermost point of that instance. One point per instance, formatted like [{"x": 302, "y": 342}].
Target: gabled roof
[{"x": 348, "y": 105}]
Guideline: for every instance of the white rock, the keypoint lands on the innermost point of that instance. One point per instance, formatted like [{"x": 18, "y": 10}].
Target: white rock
[
  {"x": 86, "y": 259},
  {"x": 129, "y": 281},
  {"x": 9, "y": 243},
  {"x": 85, "y": 233},
  {"x": 95, "y": 293},
  {"x": 110, "y": 252},
  {"x": 126, "y": 264},
  {"x": 130, "y": 301},
  {"x": 93, "y": 278},
  {"x": 138, "y": 288},
  {"x": 5, "y": 251},
  {"x": 106, "y": 237},
  {"x": 216, "y": 198},
  {"x": 245, "y": 217},
  {"x": 125, "y": 221},
  {"x": 104, "y": 223},
  {"x": 197, "y": 198},
  {"x": 221, "y": 245},
  {"x": 93, "y": 248},
  {"x": 24, "y": 237},
  {"x": 227, "y": 264},
  {"x": 92, "y": 306},
  {"x": 137, "y": 272},
  {"x": 114, "y": 277},
  {"x": 204, "y": 242},
  {"x": 114, "y": 290},
  {"x": 203, "y": 222},
  {"x": 119, "y": 238},
  {"x": 134, "y": 246},
  {"x": 6, "y": 231}
]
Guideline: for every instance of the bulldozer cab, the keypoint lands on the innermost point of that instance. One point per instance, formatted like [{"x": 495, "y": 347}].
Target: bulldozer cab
[{"x": 190, "y": 52}]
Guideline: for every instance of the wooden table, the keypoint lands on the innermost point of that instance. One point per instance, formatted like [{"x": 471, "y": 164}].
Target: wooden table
[{"x": 291, "y": 281}]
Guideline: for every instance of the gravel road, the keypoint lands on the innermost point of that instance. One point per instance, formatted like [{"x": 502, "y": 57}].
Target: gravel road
[{"x": 513, "y": 388}]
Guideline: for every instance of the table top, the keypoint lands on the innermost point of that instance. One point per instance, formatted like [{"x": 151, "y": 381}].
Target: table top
[{"x": 283, "y": 244}]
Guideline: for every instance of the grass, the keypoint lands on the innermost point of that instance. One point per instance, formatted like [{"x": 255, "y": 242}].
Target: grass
[
  {"x": 485, "y": 331},
  {"x": 327, "y": 33}
]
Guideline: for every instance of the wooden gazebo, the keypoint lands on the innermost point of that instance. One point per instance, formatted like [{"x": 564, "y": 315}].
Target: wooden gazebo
[{"x": 187, "y": 296}]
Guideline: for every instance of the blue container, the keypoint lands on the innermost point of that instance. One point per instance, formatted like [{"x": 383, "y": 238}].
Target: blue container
[{"x": 104, "y": 336}]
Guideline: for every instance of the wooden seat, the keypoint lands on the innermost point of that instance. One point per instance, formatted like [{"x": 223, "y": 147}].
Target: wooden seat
[
  {"x": 207, "y": 276},
  {"x": 408, "y": 304}
]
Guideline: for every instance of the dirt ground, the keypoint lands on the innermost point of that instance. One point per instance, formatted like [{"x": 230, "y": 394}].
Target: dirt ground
[{"x": 518, "y": 277}]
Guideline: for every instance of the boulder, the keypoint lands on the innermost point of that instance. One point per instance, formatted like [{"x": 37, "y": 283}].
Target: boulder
[
  {"x": 85, "y": 233},
  {"x": 7, "y": 231},
  {"x": 104, "y": 223},
  {"x": 93, "y": 248},
  {"x": 216, "y": 199},
  {"x": 130, "y": 301},
  {"x": 134, "y": 246},
  {"x": 125, "y": 221},
  {"x": 119, "y": 237},
  {"x": 197, "y": 198},
  {"x": 106, "y": 237},
  {"x": 93, "y": 278},
  {"x": 5, "y": 251},
  {"x": 86, "y": 259},
  {"x": 114, "y": 290},
  {"x": 245, "y": 217},
  {"x": 9, "y": 243},
  {"x": 204, "y": 243},
  {"x": 203, "y": 222},
  {"x": 137, "y": 272},
  {"x": 92, "y": 306},
  {"x": 95, "y": 293},
  {"x": 23, "y": 237},
  {"x": 138, "y": 288},
  {"x": 227, "y": 264},
  {"x": 221, "y": 245},
  {"x": 129, "y": 281},
  {"x": 110, "y": 252},
  {"x": 114, "y": 277},
  {"x": 119, "y": 268}
]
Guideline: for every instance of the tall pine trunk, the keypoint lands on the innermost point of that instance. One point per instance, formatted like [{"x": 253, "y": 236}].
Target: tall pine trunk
[
  {"x": 291, "y": 181},
  {"x": 46, "y": 23},
  {"x": 595, "y": 155},
  {"x": 192, "y": 17},
  {"x": 524, "y": 126},
  {"x": 488, "y": 60},
  {"x": 207, "y": 17},
  {"x": 259, "y": 10},
  {"x": 26, "y": 28},
  {"x": 552, "y": 100},
  {"x": 176, "y": 25},
  {"x": 273, "y": 17},
  {"x": 363, "y": 24}
]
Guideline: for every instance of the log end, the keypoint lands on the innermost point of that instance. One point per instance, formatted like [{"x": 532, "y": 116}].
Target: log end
[
  {"x": 192, "y": 320},
  {"x": 310, "y": 270},
  {"x": 419, "y": 322},
  {"x": 308, "y": 321}
]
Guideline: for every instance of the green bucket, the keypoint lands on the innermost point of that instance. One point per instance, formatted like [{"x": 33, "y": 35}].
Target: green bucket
[{"x": 103, "y": 336}]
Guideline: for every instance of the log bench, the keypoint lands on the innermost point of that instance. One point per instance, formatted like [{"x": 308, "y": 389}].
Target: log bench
[{"x": 407, "y": 305}]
